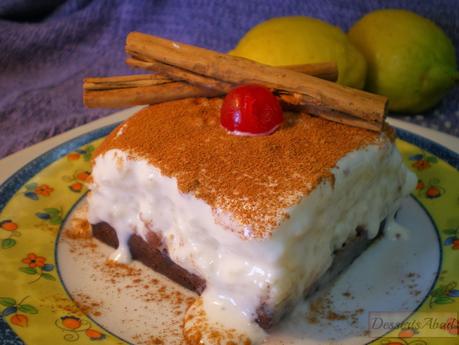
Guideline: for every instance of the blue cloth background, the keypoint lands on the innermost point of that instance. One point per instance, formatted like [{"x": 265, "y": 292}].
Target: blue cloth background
[{"x": 47, "y": 47}]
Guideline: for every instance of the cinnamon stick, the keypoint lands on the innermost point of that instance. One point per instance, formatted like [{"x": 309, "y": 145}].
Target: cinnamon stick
[
  {"x": 120, "y": 82},
  {"x": 176, "y": 73},
  {"x": 322, "y": 70},
  {"x": 126, "y": 91},
  {"x": 127, "y": 97},
  {"x": 322, "y": 98},
  {"x": 294, "y": 102}
]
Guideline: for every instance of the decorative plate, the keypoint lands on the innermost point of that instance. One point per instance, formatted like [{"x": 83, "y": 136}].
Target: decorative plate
[{"x": 401, "y": 291}]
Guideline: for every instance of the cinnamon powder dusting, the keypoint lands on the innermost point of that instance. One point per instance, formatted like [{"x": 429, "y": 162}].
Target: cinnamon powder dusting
[{"x": 253, "y": 179}]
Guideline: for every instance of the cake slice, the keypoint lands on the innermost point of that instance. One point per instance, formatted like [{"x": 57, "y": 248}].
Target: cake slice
[{"x": 252, "y": 223}]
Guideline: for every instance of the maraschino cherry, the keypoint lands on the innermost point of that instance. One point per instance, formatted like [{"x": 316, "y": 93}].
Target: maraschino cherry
[{"x": 251, "y": 110}]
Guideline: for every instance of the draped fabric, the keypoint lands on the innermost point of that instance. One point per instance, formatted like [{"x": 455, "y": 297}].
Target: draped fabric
[{"x": 47, "y": 47}]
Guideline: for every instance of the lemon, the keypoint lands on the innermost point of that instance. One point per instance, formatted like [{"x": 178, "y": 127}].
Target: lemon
[
  {"x": 410, "y": 59},
  {"x": 301, "y": 40}
]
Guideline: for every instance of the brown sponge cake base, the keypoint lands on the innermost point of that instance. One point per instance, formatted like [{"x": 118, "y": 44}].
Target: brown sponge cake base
[{"x": 152, "y": 255}]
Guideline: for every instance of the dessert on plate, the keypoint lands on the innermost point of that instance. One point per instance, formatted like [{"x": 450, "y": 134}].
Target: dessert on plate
[
  {"x": 250, "y": 207},
  {"x": 257, "y": 220}
]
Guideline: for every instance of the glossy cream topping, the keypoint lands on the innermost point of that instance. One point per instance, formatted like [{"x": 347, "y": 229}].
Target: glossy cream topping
[
  {"x": 133, "y": 196},
  {"x": 255, "y": 179}
]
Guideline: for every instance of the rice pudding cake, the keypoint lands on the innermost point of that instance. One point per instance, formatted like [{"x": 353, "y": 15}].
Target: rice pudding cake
[{"x": 253, "y": 224}]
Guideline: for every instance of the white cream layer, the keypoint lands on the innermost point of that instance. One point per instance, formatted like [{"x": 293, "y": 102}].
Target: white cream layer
[{"x": 134, "y": 197}]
